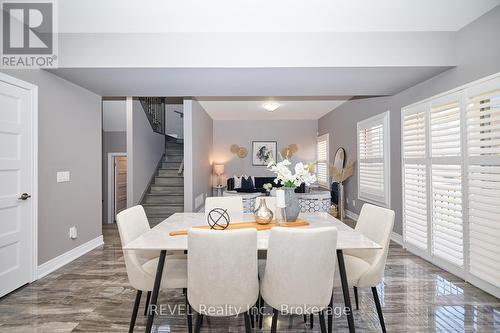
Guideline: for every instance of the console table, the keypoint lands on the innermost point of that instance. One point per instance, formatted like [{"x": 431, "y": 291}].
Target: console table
[{"x": 313, "y": 201}]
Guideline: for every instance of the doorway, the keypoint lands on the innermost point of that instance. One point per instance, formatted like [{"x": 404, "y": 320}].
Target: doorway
[
  {"x": 117, "y": 187},
  {"x": 18, "y": 179}
]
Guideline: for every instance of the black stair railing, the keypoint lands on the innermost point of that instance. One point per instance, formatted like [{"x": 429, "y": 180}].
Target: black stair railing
[{"x": 155, "y": 111}]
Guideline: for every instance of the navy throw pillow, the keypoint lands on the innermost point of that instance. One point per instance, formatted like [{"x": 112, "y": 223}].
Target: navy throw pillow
[{"x": 247, "y": 183}]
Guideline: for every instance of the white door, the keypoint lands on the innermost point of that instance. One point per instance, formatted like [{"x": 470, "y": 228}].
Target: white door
[{"x": 16, "y": 178}]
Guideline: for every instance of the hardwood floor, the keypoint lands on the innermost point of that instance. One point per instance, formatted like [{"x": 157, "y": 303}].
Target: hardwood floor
[{"x": 91, "y": 295}]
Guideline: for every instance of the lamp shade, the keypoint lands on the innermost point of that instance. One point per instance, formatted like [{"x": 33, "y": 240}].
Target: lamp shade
[{"x": 219, "y": 169}]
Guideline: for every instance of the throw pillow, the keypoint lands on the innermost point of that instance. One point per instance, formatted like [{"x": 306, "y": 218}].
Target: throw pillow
[
  {"x": 237, "y": 181},
  {"x": 247, "y": 183}
]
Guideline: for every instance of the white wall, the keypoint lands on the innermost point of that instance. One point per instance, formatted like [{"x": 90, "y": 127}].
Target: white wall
[
  {"x": 285, "y": 132},
  {"x": 198, "y": 141},
  {"x": 144, "y": 148},
  {"x": 69, "y": 139}
]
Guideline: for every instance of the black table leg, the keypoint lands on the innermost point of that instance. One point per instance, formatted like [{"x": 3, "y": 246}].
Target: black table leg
[
  {"x": 330, "y": 315},
  {"x": 345, "y": 290},
  {"x": 156, "y": 290}
]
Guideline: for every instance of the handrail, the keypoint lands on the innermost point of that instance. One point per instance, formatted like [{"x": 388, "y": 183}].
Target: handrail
[
  {"x": 181, "y": 167},
  {"x": 154, "y": 107}
]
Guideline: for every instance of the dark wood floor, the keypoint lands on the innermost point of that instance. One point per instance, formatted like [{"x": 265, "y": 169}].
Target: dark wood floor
[{"x": 91, "y": 295}]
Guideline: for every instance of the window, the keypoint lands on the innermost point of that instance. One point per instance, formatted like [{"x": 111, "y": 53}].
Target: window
[
  {"x": 451, "y": 181},
  {"x": 322, "y": 167},
  {"x": 373, "y": 160}
]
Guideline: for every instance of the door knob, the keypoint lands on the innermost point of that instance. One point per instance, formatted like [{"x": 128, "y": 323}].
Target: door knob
[{"x": 24, "y": 196}]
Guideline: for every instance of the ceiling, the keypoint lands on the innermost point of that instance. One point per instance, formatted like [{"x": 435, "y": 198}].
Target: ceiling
[
  {"x": 122, "y": 16},
  {"x": 252, "y": 109}
]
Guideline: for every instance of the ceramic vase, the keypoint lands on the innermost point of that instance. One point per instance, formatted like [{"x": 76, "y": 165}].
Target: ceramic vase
[
  {"x": 292, "y": 208},
  {"x": 263, "y": 215}
]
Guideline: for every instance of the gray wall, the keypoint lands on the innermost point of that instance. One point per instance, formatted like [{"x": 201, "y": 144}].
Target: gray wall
[
  {"x": 198, "y": 142},
  {"x": 285, "y": 132},
  {"x": 479, "y": 56},
  {"x": 112, "y": 142},
  {"x": 69, "y": 139},
  {"x": 145, "y": 149},
  {"x": 174, "y": 122}
]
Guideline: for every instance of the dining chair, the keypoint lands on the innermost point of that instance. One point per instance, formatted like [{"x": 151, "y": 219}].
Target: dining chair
[
  {"x": 365, "y": 268},
  {"x": 141, "y": 265},
  {"x": 233, "y": 204},
  {"x": 298, "y": 277},
  {"x": 222, "y": 273}
]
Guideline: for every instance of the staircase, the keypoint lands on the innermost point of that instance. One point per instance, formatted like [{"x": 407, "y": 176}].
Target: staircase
[{"x": 165, "y": 195}]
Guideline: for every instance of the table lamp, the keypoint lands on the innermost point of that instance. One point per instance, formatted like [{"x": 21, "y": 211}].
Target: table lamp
[{"x": 219, "y": 171}]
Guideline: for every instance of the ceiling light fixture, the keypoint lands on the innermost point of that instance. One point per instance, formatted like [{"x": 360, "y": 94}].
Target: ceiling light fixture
[{"x": 271, "y": 106}]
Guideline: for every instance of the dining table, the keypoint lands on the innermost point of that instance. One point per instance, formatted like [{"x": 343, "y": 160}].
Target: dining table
[{"x": 159, "y": 239}]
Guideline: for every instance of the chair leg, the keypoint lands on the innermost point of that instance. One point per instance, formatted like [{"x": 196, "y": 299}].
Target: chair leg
[
  {"x": 189, "y": 315},
  {"x": 251, "y": 314},
  {"x": 135, "y": 310},
  {"x": 356, "y": 297},
  {"x": 379, "y": 308},
  {"x": 311, "y": 319},
  {"x": 322, "y": 322},
  {"x": 305, "y": 318},
  {"x": 274, "y": 323},
  {"x": 148, "y": 298},
  {"x": 261, "y": 312},
  {"x": 199, "y": 322},
  {"x": 246, "y": 316}
]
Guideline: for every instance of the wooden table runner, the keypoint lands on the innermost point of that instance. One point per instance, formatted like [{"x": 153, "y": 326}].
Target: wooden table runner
[{"x": 247, "y": 225}]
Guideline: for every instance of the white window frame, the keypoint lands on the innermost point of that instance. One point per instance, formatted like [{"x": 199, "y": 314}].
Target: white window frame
[
  {"x": 324, "y": 137},
  {"x": 384, "y": 120}
]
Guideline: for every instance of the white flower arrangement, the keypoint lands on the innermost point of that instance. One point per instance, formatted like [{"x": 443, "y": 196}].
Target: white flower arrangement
[
  {"x": 268, "y": 187},
  {"x": 285, "y": 177}
]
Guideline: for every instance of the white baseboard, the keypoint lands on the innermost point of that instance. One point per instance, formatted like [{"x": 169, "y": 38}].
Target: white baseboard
[
  {"x": 351, "y": 215},
  {"x": 65, "y": 258},
  {"x": 395, "y": 237}
]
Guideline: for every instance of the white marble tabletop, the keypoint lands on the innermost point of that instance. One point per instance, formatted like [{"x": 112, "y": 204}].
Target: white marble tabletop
[{"x": 158, "y": 238}]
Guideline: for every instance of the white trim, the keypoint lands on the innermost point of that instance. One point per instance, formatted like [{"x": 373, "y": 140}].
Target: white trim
[
  {"x": 111, "y": 158},
  {"x": 386, "y": 122},
  {"x": 130, "y": 151},
  {"x": 351, "y": 215},
  {"x": 397, "y": 238},
  {"x": 457, "y": 89},
  {"x": 65, "y": 258},
  {"x": 34, "y": 167}
]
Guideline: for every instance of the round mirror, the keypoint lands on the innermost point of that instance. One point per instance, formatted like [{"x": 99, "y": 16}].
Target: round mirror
[{"x": 339, "y": 160}]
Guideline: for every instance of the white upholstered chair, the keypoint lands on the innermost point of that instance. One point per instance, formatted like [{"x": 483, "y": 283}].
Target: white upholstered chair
[
  {"x": 222, "y": 273},
  {"x": 234, "y": 206},
  {"x": 299, "y": 272},
  {"x": 365, "y": 268},
  {"x": 141, "y": 265}
]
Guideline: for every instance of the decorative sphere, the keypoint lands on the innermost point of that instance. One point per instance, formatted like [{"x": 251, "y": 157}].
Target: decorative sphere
[{"x": 218, "y": 219}]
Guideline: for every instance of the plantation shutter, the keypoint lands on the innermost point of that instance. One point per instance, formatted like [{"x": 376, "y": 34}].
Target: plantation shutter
[
  {"x": 446, "y": 179},
  {"x": 483, "y": 144},
  {"x": 322, "y": 152},
  {"x": 414, "y": 173},
  {"x": 451, "y": 181},
  {"x": 373, "y": 159},
  {"x": 415, "y": 205}
]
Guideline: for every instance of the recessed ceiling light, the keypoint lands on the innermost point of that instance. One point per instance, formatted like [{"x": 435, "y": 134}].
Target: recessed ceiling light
[{"x": 271, "y": 106}]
